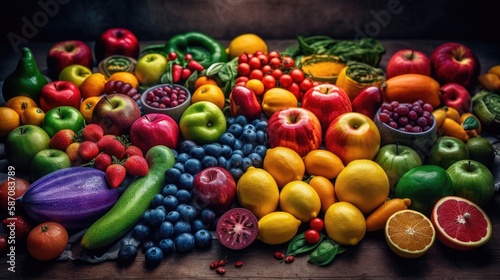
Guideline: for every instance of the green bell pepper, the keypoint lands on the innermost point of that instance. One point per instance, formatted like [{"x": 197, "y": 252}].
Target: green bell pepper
[{"x": 202, "y": 47}]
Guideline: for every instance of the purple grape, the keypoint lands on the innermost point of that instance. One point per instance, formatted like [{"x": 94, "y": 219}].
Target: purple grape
[
  {"x": 384, "y": 117},
  {"x": 412, "y": 115},
  {"x": 403, "y": 121},
  {"x": 422, "y": 121},
  {"x": 402, "y": 110},
  {"x": 394, "y": 104},
  {"x": 417, "y": 129},
  {"x": 386, "y": 106}
]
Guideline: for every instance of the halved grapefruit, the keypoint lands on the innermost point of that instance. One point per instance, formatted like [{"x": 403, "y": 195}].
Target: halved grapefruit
[{"x": 460, "y": 224}]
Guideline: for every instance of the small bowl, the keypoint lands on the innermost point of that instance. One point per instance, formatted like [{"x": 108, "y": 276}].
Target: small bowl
[
  {"x": 174, "y": 112},
  {"x": 421, "y": 142}
]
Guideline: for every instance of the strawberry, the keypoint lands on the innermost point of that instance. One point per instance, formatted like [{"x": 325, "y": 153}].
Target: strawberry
[
  {"x": 72, "y": 152},
  {"x": 133, "y": 150},
  {"x": 104, "y": 141},
  {"x": 115, "y": 174},
  {"x": 62, "y": 139},
  {"x": 136, "y": 166},
  {"x": 88, "y": 150},
  {"x": 115, "y": 148},
  {"x": 102, "y": 161},
  {"x": 92, "y": 132}
]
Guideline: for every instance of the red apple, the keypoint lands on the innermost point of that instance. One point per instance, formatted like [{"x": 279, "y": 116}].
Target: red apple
[
  {"x": 296, "y": 128},
  {"x": 326, "y": 101},
  {"x": 215, "y": 188},
  {"x": 116, "y": 113},
  {"x": 116, "y": 41},
  {"x": 455, "y": 63},
  {"x": 353, "y": 136},
  {"x": 408, "y": 62},
  {"x": 455, "y": 96},
  {"x": 59, "y": 93},
  {"x": 154, "y": 129},
  {"x": 67, "y": 53}
]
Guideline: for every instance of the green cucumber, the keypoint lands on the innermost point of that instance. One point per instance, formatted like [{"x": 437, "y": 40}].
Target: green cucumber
[{"x": 134, "y": 201}]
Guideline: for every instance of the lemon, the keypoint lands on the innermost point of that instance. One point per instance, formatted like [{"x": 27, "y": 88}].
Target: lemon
[
  {"x": 277, "y": 227},
  {"x": 363, "y": 183},
  {"x": 323, "y": 163},
  {"x": 301, "y": 200},
  {"x": 257, "y": 191},
  {"x": 246, "y": 43},
  {"x": 344, "y": 223},
  {"x": 284, "y": 164}
]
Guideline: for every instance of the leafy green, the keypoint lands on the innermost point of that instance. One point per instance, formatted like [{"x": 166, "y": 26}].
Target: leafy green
[{"x": 325, "y": 252}]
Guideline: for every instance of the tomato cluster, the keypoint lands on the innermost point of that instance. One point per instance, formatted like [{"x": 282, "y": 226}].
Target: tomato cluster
[{"x": 274, "y": 70}]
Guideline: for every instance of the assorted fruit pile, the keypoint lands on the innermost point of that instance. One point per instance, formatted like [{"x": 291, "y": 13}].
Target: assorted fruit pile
[{"x": 265, "y": 152}]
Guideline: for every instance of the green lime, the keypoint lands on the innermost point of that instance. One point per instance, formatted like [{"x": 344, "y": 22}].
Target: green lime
[
  {"x": 424, "y": 185},
  {"x": 480, "y": 149}
]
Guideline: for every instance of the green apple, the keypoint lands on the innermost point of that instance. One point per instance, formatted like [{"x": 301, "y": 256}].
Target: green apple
[
  {"x": 62, "y": 117},
  {"x": 23, "y": 143},
  {"x": 75, "y": 73},
  {"x": 150, "y": 68},
  {"x": 396, "y": 160},
  {"x": 47, "y": 161},
  {"x": 446, "y": 151},
  {"x": 202, "y": 122}
]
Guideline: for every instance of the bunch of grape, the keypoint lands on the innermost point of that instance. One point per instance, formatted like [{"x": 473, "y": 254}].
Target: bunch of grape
[{"x": 409, "y": 117}]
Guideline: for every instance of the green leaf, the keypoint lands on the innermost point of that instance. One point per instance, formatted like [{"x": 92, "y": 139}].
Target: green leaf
[
  {"x": 214, "y": 69},
  {"x": 325, "y": 252}
]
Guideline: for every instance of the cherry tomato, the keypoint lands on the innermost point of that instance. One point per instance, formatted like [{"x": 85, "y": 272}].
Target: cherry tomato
[
  {"x": 275, "y": 62},
  {"x": 254, "y": 63},
  {"x": 263, "y": 59},
  {"x": 273, "y": 54},
  {"x": 172, "y": 56},
  {"x": 317, "y": 224},
  {"x": 269, "y": 81},
  {"x": 305, "y": 85},
  {"x": 286, "y": 80},
  {"x": 249, "y": 55},
  {"x": 256, "y": 74},
  {"x": 277, "y": 73},
  {"x": 266, "y": 69},
  {"x": 297, "y": 75},
  {"x": 243, "y": 58},
  {"x": 288, "y": 62},
  {"x": 188, "y": 56},
  {"x": 257, "y": 53},
  {"x": 312, "y": 236},
  {"x": 243, "y": 79},
  {"x": 243, "y": 69},
  {"x": 295, "y": 89}
]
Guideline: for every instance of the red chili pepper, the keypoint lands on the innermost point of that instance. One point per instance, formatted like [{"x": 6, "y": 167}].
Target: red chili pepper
[
  {"x": 176, "y": 73},
  {"x": 194, "y": 65}
]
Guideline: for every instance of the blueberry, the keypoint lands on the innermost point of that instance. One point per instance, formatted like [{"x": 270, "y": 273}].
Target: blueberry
[
  {"x": 255, "y": 122},
  {"x": 208, "y": 161},
  {"x": 169, "y": 189},
  {"x": 192, "y": 166},
  {"x": 188, "y": 212},
  {"x": 186, "y": 146},
  {"x": 256, "y": 159},
  {"x": 166, "y": 229},
  {"x": 127, "y": 254},
  {"x": 235, "y": 160},
  {"x": 166, "y": 245},
  {"x": 181, "y": 227},
  {"x": 222, "y": 162},
  {"x": 179, "y": 166},
  {"x": 247, "y": 149},
  {"x": 202, "y": 239},
  {"x": 261, "y": 125},
  {"x": 157, "y": 200},
  {"x": 145, "y": 215},
  {"x": 260, "y": 150},
  {"x": 249, "y": 136},
  {"x": 238, "y": 144},
  {"x": 197, "y": 152},
  {"x": 198, "y": 224},
  {"x": 227, "y": 138},
  {"x": 235, "y": 130},
  {"x": 173, "y": 217},
  {"x": 186, "y": 181},
  {"x": 236, "y": 173},
  {"x": 207, "y": 215},
  {"x": 230, "y": 120},
  {"x": 184, "y": 242},
  {"x": 147, "y": 244},
  {"x": 153, "y": 255},
  {"x": 249, "y": 126},
  {"x": 183, "y": 196},
  {"x": 141, "y": 231},
  {"x": 156, "y": 217},
  {"x": 213, "y": 149},
  {"x": 245, "y": 163},
  {"x": 182, "y": 157},
  {"x": 261, "y": 137},
  {"x": 239, "y": 152},
  {"x": 226, "y": 151},
  {"x": 170, "y": 202},
  {"x": 241, "y": 120},
  {"x": 172, "y": 175}
]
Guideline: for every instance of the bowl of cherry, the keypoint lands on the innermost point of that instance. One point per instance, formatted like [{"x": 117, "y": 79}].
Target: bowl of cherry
[
  {"x": 168, "y": 99},
  {"x": 409, "y": 124}
]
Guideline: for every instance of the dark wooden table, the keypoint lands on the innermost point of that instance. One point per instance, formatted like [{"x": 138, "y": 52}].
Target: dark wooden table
[{"x": 370, "y": 259}]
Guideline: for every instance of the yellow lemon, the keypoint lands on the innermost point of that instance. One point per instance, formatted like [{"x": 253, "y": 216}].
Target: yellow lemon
[
  {"x": 301, "y": 200},
  {"x": 246, "y": 43},
  {"x": 363, "y": 183},
  {"x": 277, "y": 228},
  {"x": 344, "y": 223},
  {"x": 323, "y": 163},
  {"x": 257, "y": 191},
  {"x": 284, "y": 164}
]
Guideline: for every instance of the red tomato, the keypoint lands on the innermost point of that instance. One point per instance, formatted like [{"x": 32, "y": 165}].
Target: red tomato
[
  {"x": 269, "y": 81},
  {"x": 297, "y": 75},
  {"x": 263, "y": 59},
  {"x": 243, "y": 58},
  {"x": 243, "y": 69},
  {"x": 317, "y": 224},
  {"x": 257, "y": 53},
  {"x": 47, "y": 241},
  {"x": 286, "y": 80},
  {"x": 243, "y": 79},
  {"x": 172, "y": 56},
  {"x": 254, "y": 63},
  {"x": 305, "y": 85},
  {"x": 312, "y": 236},
  {"x": 266, "y": 69},
  {"x": 277, "y": 73},
  {"x": 256, "y": 74},
  {"x": 295, "y": 89},
  {"x": 275, "y": 62},
  {"x": 288, "y": 62},
  {"x": 273, "y": 54}
]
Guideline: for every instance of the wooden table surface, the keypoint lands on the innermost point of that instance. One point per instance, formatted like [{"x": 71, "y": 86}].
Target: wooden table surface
[{"x": 371, "y": 258}]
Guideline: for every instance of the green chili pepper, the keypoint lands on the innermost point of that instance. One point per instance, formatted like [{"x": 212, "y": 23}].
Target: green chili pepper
[
  {"x": 325, "y": 252},
  {"x": 202, "y": 47}
]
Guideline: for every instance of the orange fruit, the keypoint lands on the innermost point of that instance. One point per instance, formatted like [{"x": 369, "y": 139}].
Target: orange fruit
[
  {"x": 10, "y": 120},
  {"x": 125, "y": 77},
  {"x": 325, "y": 189},
  {"x": 203, "y": 80},
  {"x": 364, "y": 184},
  {"x": 277, "y": 98},
  {"x": 33, "y": 116},
  {"x": 20, "y": 103},
  {"x": 256, "y": 86},
  {"x": 211, "y": 93},
  {"x": 87, "y": 107},
  {"x": 323, "y": 163},
  {"x": 93, "y": 85},
  {"x": 409, "y": 233}
]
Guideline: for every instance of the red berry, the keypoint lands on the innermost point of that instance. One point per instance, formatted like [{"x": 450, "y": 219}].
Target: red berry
[
  {"x": 115, "y": 174},
  {"x": 102, "y": 161},
  {"x": 92, "y": 132},
  {"x": 214, "y": 265},
  {"x": 289, "y": 259},
  {"x": 88, "y": 150},
  {"x": 220, "y": 270},
  {"x": 279, "y": 255},
  {"x": 238, "y": 264}
]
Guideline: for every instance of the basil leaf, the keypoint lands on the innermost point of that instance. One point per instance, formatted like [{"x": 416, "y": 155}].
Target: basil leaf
[
  {"x": 325, "y": 252},
  {"x": 299, "y": 245},
  {"x": 214, "y": 69}
]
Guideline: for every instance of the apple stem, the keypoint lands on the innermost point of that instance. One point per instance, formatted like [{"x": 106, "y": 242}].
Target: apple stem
[{"x": 397, "y": 148}]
